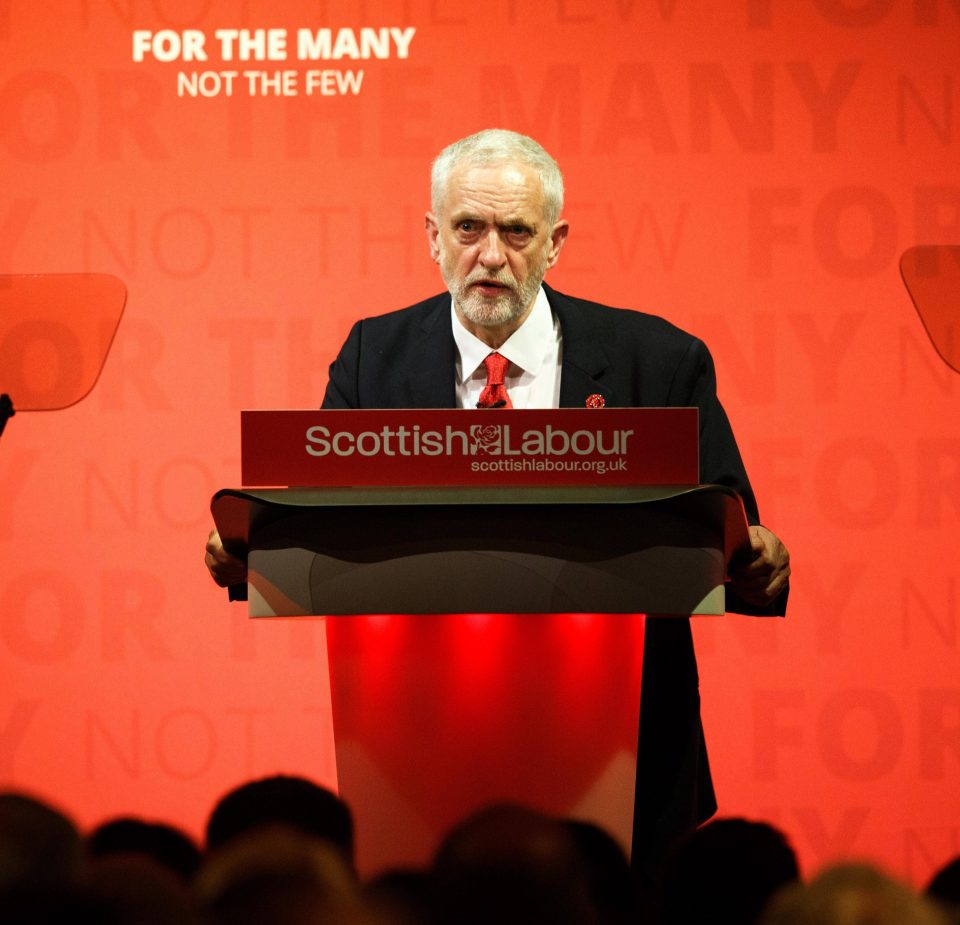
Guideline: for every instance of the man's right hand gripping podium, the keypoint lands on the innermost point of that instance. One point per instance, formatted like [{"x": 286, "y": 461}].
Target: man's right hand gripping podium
[{"x": 500, "y": 338}]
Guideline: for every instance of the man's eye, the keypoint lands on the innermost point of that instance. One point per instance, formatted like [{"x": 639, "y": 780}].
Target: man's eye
[
  {"x": 467, "y": 227},
  {"x": 518, "y": 232}
]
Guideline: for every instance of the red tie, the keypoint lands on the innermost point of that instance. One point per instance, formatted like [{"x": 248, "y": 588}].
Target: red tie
[{"x": 494, "y": 394}]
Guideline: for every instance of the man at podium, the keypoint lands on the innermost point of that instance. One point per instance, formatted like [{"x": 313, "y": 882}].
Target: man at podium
[{"x": 500, "y": 338}]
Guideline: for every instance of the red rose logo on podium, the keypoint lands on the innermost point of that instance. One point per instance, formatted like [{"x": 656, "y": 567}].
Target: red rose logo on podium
[{"x": 487, "y": 438}]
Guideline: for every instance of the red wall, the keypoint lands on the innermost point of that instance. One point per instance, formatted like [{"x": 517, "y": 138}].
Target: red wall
[{"x": 751, "y": 169}]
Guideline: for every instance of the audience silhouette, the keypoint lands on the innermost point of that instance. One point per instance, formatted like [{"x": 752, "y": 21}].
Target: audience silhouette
[
  {"x": 511, "y": 864},
  {"x": 277, "y": 874},
  {"x": 944, "y": 888},
  {"x": 39, "y": 846},
  {"x": 134, "y": 889},
  {"x": 168, "y": 846},
  {"x": 295, "y": 802},
  {"x": 725, "y": 872},
  {"x": 611, "y": 886},
  {"x": 280, "y": 850},
  {"x": 852, "y": 894}
]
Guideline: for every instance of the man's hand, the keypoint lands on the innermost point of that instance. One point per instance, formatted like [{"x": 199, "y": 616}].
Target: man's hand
[
  {"x": 760, "y": 579},
  {"x": 226, "y": 569}
]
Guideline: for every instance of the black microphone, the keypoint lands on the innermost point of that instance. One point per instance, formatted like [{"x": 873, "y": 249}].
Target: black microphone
[{"x": 497, "y": 404}]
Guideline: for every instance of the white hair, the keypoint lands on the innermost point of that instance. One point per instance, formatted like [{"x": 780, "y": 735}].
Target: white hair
[{"x": 499, "y": 146}]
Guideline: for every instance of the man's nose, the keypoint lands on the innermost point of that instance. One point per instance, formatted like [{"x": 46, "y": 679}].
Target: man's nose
[{"x": 492, "y": 253}]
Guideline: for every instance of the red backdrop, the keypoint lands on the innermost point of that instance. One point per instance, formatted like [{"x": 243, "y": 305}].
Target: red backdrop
[{"x": 752, "y": 170}]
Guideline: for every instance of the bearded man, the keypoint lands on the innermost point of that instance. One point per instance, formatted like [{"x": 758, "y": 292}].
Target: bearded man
[{"x": 501, "y": 337}]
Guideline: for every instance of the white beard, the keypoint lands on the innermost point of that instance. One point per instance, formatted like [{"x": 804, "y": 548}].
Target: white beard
[{"x": 503, "y": 309}]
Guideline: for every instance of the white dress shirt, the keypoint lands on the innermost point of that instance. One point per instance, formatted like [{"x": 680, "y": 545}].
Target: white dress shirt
[{"x": 534, "y": 352}]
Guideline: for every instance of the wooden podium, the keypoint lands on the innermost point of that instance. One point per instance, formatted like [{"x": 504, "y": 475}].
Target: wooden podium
[{"x": 485, "y": 642}]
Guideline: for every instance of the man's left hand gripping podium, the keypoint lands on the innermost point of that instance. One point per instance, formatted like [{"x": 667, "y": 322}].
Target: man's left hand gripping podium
[{"x": 450, "y": 511}]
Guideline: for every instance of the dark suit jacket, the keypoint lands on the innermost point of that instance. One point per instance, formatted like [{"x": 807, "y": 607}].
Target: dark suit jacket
[{"x": 406, "y": 359}]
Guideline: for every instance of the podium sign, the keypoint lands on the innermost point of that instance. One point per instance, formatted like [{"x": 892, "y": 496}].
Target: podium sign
[
  {"x": 569, "y": 446},
  {"x": 509, "y": 511}
]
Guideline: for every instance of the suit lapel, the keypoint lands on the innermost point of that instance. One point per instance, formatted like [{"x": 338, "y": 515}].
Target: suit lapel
[
  {"x": 432, "y": 377},
  {"x": 585, "y": 358}
]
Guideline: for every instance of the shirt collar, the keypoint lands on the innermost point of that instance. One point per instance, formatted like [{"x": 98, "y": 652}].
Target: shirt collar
[{"x": 523, "y": 348}]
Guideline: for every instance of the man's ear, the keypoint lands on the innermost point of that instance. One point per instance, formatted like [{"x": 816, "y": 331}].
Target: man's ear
[
  {"x": 433, "y": 236},
  {"x": 557, "y": 238}
]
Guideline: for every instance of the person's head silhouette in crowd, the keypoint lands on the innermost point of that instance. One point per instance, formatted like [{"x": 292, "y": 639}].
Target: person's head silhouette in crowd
[
  {"x": 509, "y": 864},
  {"x": 165, "y": 844},
  {"x": 42, "y": 864},
  {"x": 282, "y": 800},
  {"x": 39, "y": 846},
  {"x": 277, "y": 875},
  {"x": 400, "y": 897},
  {"x": 944, "y": 887},
  {"x": 725, "y": 871},
  {"x": 134, "y": 889},
  {"x": 851, "y": 894},
  {"x": 612, "y": 884}
]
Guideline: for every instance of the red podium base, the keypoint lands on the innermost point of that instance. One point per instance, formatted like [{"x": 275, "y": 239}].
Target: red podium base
[{"x": 436, "y": 716}]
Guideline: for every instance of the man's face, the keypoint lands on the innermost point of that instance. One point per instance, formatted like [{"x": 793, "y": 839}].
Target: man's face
[{"x": 493, "y": 244}]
